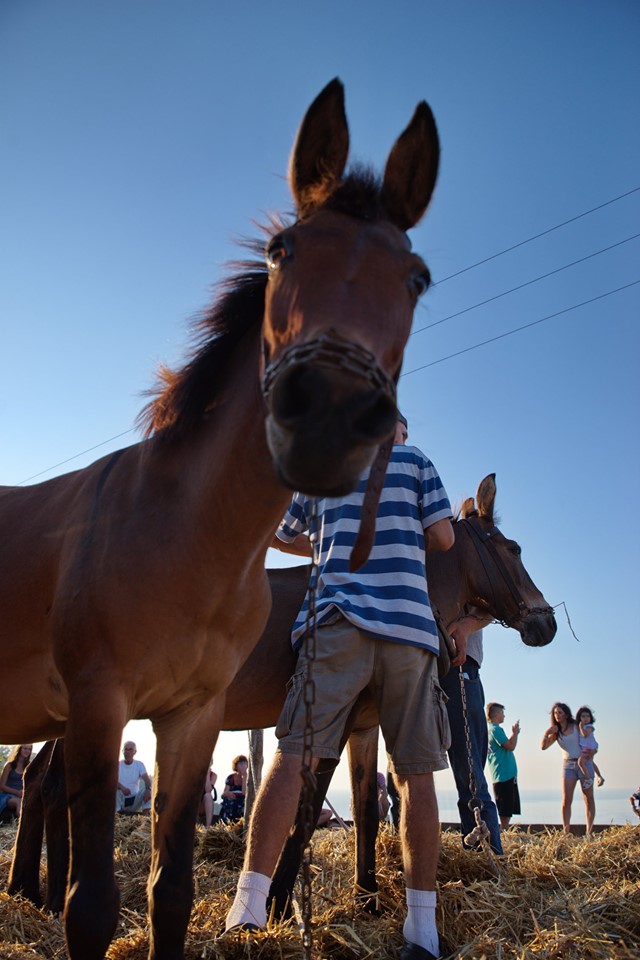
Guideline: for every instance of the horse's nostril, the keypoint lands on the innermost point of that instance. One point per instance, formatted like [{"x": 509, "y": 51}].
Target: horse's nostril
[
  {"x": 298, "y": 394},
  {"x": 378, "y": 419}
]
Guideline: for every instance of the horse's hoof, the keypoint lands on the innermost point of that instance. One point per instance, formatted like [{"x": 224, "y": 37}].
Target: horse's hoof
[
  {"x": 244, "y": 928},
  {"x": 411, "y": 951}
]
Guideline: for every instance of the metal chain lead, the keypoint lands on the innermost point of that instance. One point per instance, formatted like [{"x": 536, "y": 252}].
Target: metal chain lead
[
  {"x": 308, "y": 777},
  {"x": 480, "y": 833},
  {"x": 474, "y": 802}
]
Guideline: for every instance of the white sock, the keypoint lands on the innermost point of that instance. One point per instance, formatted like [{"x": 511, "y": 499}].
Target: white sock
[
  {"x": 250, "y": 904},
  {"x": 420, "y": 925}
]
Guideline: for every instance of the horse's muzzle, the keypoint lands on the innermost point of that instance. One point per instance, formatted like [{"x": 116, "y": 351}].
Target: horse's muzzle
[
  {"x": 538, "y": 628},
  {"x": 325, "y": 426}
]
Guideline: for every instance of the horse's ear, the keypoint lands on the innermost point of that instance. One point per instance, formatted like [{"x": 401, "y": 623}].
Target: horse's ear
[
  {"x": 486, "y": 496},
  {"x": 468, "y": 508},
  {"x": 320, "y": 151},
  {"x": 412, "y": 169}
]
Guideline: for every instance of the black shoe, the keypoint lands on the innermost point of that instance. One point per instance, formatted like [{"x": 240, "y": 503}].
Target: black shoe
[{"x": 411, "y": 951}]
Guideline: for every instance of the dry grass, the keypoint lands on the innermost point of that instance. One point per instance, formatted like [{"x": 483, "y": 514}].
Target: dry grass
[{"x": 555, "y": 897}]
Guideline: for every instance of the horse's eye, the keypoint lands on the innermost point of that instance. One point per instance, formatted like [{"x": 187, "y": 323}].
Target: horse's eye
[
  {"x": 420, "y": 283},
  {"x": 278, "y": 249},
  {"x": 515, "y": 549}
]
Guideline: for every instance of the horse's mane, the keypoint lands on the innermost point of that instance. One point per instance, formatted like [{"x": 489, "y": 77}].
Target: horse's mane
[{"x": 181, "y": 396}]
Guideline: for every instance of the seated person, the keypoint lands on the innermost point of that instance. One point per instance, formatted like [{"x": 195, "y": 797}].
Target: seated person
[
  {"x": 235, "y": 788},
  {"x": 11, "y": 778},
  {"x": 134, "y": 784},
  {"x": 325, "y": 817},
  {"x": 383, "y": 796},
  {"x": 209, "y": 796}
]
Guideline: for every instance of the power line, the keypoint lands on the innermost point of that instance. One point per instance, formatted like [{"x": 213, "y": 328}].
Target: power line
[
  {"x": 525, "y": 326},
  {"x": 520, "y": 286},
  {"x": 76, "y": 455},
  {"x": 537, "y": 236}
]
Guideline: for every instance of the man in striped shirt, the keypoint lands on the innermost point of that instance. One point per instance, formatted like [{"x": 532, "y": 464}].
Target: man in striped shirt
[{"x": 375, "y": 630}]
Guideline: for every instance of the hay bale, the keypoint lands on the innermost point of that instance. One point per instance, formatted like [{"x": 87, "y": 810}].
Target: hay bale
[{"x": 555, "y": 897}]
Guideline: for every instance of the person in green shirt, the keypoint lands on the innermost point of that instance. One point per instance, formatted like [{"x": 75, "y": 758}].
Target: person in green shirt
[{"x": 502, "y": 764}]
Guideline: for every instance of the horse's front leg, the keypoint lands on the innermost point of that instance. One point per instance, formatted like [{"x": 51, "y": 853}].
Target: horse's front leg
[
  {"x": 24, "y": 875},
  {"x": 185, "y": 742},
  {"x": 362, "y": 748},
  {"x": 92, "y": 744}
]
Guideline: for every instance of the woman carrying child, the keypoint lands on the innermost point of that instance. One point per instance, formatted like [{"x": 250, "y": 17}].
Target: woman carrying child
[
  {"x": 588, "y": 747},
  {"x": 564, "y": 731}
]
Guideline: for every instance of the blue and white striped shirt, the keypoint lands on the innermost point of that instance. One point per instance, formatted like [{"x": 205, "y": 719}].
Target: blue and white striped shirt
[{"x": 387, "y": 597}]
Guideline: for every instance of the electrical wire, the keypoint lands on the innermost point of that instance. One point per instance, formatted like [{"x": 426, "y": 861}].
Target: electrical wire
[
  {"x": 537, "y": 236},
  {"x": 525, "y": 326},
  {"x": 521, "y": 286},
  {"x": 76, "y": 455}
]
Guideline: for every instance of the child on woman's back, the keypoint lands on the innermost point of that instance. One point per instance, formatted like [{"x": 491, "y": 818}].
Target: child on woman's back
[{"x": 588, "y": 747}]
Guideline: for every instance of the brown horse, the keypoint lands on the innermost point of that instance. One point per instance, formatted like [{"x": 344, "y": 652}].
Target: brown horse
[
  {"x": 470, "y": 573},
  {"x": 123, "y": 586}
]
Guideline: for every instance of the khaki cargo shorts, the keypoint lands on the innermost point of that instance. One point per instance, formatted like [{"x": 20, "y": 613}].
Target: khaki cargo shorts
[{"x": 403, "y": 682}]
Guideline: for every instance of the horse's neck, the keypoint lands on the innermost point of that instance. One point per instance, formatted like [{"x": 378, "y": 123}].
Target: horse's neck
[
  {"x": 223, "y": 471},
  {"x": 448, "y": 588}
]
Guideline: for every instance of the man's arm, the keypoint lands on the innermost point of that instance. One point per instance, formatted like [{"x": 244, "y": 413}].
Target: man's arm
[
  {"x": 460, "y": 631},
  {"x": 440, "y": 535},
  {"x": 300, "y": 547},
  {"x": 510, "y": 744}
]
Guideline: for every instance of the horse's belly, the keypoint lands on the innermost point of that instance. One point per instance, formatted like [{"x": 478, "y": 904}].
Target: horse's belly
[{"x": 33, "y": 706}]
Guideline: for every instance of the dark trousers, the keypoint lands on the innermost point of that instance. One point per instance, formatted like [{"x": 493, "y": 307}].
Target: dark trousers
[{"x": 458, "y": 754}]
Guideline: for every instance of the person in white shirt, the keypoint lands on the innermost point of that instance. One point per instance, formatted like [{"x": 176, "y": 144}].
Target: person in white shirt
[{"x": 134, "y": 784}]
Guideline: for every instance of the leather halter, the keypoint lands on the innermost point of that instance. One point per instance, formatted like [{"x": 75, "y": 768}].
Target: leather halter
[
  {"x": 336, "y": 352},
  {"x": 331, "y": 350},
  {"x": 483, "y": 542}
]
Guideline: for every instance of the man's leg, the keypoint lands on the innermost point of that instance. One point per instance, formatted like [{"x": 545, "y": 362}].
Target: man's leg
[
  {"x": 415, "y": 727},
  {"x": 272, "y": 817},
  {"x": 136, "y": 806},
  {"x": 420, "y": 838},
  {"x": 459, "y": 752},
  {"x": 341, "y": 669}
]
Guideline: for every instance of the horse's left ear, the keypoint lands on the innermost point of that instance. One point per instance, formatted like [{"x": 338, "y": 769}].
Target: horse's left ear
[
  {"x": 320, "y": 152},
  {"x": 486, "y": 496},
  {"x": 411, "y": 170}
]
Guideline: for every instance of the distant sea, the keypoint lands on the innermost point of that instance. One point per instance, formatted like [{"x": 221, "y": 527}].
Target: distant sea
[{"x": 538, "y": 806}]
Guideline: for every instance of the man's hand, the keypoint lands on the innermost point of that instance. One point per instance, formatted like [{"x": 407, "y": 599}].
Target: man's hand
[{"x": 459, "y": 634}]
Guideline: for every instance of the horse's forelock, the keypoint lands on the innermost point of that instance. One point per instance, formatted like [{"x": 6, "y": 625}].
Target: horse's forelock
[{"x": 358, "y": 194}]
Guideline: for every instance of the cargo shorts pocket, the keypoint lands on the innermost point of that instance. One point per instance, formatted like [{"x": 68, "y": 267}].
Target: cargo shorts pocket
[
  {"x": 441, "y": 716},
  {"x": 295, "y": 686}
]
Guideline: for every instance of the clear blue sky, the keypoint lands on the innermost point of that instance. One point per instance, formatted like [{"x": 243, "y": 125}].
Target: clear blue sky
[{"x": 139, "y": 139}]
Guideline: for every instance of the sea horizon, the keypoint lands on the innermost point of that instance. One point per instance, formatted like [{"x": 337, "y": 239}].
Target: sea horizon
[{"x": 538, "y": 806}]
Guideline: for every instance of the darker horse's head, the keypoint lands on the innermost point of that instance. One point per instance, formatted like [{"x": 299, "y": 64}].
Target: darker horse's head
[
  {"x": 496, "y": 572},
  {"x": 343, "y": 285}
]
